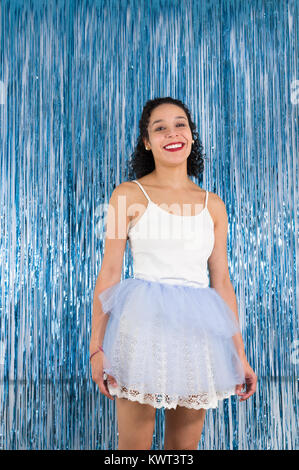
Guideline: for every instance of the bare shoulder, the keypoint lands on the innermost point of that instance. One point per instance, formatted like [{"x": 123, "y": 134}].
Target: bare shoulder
[
  {"x": 125, "y": 189},
  {"x": 217, "y": 208},
  {"x": 216, "y": 201},
  {"x": 124, "y": 197}
]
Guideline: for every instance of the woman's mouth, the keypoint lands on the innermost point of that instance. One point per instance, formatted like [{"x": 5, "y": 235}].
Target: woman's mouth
[{"x": 174, "y": 147}]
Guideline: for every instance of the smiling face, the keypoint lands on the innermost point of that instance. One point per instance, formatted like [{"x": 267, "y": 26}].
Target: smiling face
[{"x": 168, "y": 125}]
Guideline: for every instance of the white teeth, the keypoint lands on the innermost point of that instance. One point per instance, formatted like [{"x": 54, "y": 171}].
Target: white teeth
[{"x": 174, "y": 146}]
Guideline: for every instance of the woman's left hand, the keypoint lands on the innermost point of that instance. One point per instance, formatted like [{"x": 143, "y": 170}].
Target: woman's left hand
[{"x": 250, "y": 382}]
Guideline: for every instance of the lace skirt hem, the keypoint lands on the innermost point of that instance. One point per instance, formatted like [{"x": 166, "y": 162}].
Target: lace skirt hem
[{"x": 203, "y": 400}]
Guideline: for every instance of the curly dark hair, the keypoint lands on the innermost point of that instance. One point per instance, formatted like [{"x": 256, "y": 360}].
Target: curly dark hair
[{"x": 142, "y": 161}]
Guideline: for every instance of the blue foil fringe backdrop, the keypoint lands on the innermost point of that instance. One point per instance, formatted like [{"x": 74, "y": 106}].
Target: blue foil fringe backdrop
[{"x": 74, "y": 76}]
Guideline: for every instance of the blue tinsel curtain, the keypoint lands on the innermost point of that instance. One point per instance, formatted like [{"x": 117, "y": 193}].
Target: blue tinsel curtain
[{"x": 74, "y": 76}]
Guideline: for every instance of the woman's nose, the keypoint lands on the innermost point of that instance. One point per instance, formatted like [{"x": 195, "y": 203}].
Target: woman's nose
[{"x": 172, "y": 133}]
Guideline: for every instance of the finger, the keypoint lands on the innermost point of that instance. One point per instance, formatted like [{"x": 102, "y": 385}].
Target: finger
[
  {"x": 239, "y": 388},
  {"x": 246, "y": 395},
  {"x": 251, "y": 387},
  {"x": 244, "y": 398},
  {"x": 107, "y": 389},
  {"x": 104, "y": 389},
  {"x": 112, "y": 380},
  {"x": 107, "y": 394}
]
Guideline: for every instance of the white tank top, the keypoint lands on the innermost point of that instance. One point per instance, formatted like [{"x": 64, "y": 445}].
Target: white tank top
[{"x": 172, "y": 248}]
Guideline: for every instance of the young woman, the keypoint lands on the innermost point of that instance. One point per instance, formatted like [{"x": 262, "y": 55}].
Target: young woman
[{"x": 170, "y": 335}]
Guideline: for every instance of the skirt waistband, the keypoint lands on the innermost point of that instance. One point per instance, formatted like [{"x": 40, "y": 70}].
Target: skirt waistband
[{"x": 171, "y": 280}]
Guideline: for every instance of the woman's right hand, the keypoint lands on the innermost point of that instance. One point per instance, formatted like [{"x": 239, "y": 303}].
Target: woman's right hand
[{"x": 97, "y": 375}]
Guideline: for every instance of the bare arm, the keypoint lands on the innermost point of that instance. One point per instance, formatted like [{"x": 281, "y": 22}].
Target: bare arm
[
  {"x": 218, "y": 266},
  {"x": 115, "y": 243}
]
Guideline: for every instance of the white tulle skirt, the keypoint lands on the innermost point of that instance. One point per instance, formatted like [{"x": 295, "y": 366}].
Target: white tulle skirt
[{"x": 170, "y": 344}]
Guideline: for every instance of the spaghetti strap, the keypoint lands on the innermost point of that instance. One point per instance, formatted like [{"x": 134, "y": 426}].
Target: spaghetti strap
[
  {"x": 143, "y": 190},
  {"x": 207, "y": 194}
]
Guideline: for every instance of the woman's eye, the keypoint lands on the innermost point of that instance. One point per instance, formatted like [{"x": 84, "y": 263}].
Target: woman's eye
[{"x": 180, "y": 124}]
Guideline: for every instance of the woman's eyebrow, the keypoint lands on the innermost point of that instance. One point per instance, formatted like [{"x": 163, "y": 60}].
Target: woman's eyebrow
[{"x": 160, "y": 120}]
